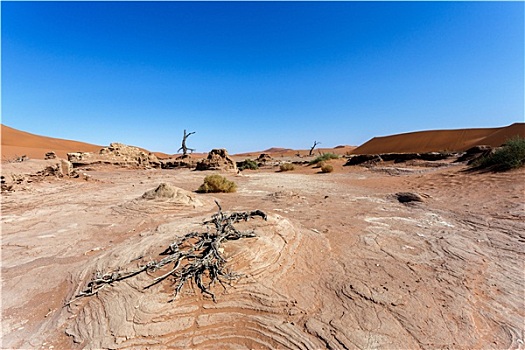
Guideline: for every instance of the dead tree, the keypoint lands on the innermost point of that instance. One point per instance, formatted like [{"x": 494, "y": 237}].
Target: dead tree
[
  {"x": 196, "y": 256},
  {"x": 183, "y": 147},
  {"x": 312, "y": 149}
]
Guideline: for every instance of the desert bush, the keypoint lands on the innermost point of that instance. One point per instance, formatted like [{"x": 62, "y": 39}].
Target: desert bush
[
  {"x": 217, "y": 183},
  {"x": 287, "y": 167},
  {"x": 247, "y": 164},
  {"x": 324, "y": 157},
  {"x": 327, "y": 168},
  {"x": 510, "y": 156}
]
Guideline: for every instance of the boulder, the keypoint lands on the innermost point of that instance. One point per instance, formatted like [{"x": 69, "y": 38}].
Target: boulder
[
  {"x": 76, "y": 157},
  {"x": 264, "y": 158},
  {"x": 5, "y": 187},
  {"x": 162, "y": 191},
  {"x": 50, "y": 155},
  {"x": 66, "y": 168},
  {"x": 174, "y": 195},
  {"x": 217, "y": 159},
  {"x": 406, "y": 197}
]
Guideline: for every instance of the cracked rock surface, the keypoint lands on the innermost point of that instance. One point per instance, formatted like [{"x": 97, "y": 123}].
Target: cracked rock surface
[{"x": 340, "y": 263}]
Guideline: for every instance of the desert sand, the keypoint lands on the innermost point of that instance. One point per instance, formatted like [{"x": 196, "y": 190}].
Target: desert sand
[
  {"x": 340, "y": 263},
  {"x": 440, "y": 140},
  {"x": 17, "y": 143}
]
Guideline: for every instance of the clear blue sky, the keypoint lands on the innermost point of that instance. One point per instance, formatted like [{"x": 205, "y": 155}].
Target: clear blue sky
[{"x": 247, "y": 76}]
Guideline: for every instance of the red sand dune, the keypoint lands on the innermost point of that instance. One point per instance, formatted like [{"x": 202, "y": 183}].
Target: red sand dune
[
  {"x": 501, "y": 136},
  {"x": 16, "y": 143},
  {"x": 440, "y": 140}
]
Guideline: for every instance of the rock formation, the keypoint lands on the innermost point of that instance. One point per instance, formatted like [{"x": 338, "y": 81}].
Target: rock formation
[
  {"x": 218, "y": 159},
  {"x": 406, "y": 197},
  {"x": 263, "y": 159},
  {"x": 116, "y": 154},
  {"x": 186, "y": 161},
  {"x": 50, "y": 155},
  {"x": 59, "y": 169},
  {"x": 364, "y": 158},
  {"x": 474, "y": 153},
  {"x": 396, "y": 157},
  {"x": 164, "y": 198}
]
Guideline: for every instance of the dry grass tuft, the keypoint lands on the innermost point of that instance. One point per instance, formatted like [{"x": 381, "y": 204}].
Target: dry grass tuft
[
  {"x": 217, "y": 183},
  {"x": 327, "y": 168},
  {"x": 287, "y": 167}
]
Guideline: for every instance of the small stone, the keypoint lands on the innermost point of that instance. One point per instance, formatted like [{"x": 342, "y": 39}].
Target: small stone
[{"x": 406, "y": 197}]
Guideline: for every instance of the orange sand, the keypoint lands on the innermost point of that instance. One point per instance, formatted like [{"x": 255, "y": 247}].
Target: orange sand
[{"x": 440, "y": 140}]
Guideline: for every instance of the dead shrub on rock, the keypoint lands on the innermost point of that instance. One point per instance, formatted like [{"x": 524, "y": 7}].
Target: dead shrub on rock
[{"x": 216, "y": 184}]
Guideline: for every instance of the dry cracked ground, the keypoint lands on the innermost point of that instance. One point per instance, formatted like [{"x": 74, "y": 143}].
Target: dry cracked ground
[{"x": 339, "y": 264}]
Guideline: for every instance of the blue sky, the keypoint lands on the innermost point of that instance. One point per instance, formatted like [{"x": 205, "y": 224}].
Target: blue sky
[{"x": 247, "y": 76}]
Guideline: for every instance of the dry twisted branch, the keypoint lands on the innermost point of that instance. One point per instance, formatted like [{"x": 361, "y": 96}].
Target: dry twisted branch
[{"x": 195, "y": 256}]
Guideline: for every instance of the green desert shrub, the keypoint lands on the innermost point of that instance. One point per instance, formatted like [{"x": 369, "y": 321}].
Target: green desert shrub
[
  {"x": 324, "y": 157},
  {"x": 217, "y": 183},
  {"x": 247, "y": 164},
  {"x": 510, "y": 156},
  {"x": 287, "y": 167},
  {"x": 327, "y": 168}
]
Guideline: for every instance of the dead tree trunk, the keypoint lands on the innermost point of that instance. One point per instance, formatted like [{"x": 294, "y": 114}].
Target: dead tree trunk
[
  {"x": 184, "y": 148},
  {"x": 312, "y": 149}
]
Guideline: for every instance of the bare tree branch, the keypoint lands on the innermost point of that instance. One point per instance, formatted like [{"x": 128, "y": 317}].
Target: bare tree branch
[{"x": 195, "y": 256}]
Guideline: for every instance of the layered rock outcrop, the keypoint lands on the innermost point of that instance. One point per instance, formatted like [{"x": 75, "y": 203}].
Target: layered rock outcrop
[
  {"x": 396, "y": 157},
  {"x": 116, "y": 154},
  {"x": 218, "y": 159},
  {"x": 183, "y": 161}
]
